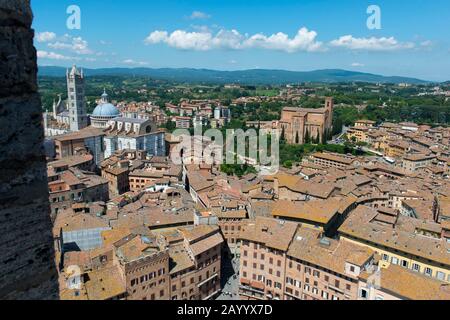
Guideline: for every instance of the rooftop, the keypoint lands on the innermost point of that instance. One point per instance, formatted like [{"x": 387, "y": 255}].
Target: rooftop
[{"x": 272, "y": 233}]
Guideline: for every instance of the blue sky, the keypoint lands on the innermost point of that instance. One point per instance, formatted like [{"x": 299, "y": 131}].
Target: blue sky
[{"x": 234, "y": 35}]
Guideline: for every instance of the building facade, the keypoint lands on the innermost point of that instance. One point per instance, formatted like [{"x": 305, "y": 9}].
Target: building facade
[
  {"x": 135, "y": 134},
  {"x": 302, "y": 125}
]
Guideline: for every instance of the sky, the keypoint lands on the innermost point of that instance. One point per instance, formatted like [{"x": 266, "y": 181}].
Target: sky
[{"x": 407, "y": 38}]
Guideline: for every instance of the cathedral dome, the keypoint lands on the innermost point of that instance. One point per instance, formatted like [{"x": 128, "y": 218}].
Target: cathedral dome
[{"x": 106, "y": 110}]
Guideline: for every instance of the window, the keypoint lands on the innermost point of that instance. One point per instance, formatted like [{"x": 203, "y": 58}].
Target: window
[
  {"x": 316, "y": 274},
  {"x": 394, "y": 260},
  {"x": 405, "y": 264},
  {"x": 352, "y": 269},
  {"x": 416, "y": 267},
  {"x": 363, "y": 294},
  {"x": 325, "y": 295},
  {"x": 428, "y": 271},
  {"x": 440, "y": 275},
  {"x": 336, "y": 283}
]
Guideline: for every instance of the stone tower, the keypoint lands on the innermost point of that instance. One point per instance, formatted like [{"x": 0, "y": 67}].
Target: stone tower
[
  {"x": 76, "y": 100},
  {"x": 27, "y": 263}
]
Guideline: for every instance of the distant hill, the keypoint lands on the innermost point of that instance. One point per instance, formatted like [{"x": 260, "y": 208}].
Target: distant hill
[{"x": 255, "y": 76}]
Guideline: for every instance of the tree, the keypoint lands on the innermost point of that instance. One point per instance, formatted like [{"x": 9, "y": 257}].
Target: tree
[
  {"x": 288, "y": 164},
  {"x": 169, "y": 126},
  {"x": 282, "y": 137},
  {"x": 307, "y": 137}
]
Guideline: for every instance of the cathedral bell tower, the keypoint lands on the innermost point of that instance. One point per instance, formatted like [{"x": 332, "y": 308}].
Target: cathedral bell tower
[{"x": 76, "y": 99}]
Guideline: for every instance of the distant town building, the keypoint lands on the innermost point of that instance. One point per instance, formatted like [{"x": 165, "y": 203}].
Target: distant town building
[{"x": 302, "y": 125}]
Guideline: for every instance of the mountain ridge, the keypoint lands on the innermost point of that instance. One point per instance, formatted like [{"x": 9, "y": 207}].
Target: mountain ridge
[{"x": 250, "y": 76}]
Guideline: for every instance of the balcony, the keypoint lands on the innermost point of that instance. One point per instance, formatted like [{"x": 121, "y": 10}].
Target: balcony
[
  {"x": 212, "y": 295},
  {"x": 251, "y": 289},
  {"x": 207, "y": 280}
]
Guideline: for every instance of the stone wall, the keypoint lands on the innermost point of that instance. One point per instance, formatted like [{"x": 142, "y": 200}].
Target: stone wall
[{"x": 27, "y": 268}]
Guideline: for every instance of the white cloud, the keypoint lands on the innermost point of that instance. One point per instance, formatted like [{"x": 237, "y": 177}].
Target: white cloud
[
  {"x": 156, "y": 37},
  {"x": 54, "y": 56},
  {"x": 200, "y": 28},
  {"x": 371, "y": 44},
  {"x": 427, "y": 44},
  {"x": 304, "y": 40},
  {"x": 228, "y": 39},
  {"x": 357, "y": 64},
  {"x": 45, "y": 36},
  {"x": 74, "y": 44},
  {"x": 199, "y": 15},
  {"x": 181, "y": 39},
  {"x": 133, "y": 62}
]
